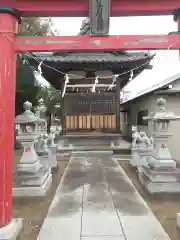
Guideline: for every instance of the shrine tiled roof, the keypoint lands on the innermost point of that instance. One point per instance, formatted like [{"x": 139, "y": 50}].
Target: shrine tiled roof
[{"x": 95, "y": 57}]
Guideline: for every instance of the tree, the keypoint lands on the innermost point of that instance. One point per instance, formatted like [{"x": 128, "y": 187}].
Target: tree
[
  {"x": 51, "y": 98},
  {"x": 27, "y": 87}
]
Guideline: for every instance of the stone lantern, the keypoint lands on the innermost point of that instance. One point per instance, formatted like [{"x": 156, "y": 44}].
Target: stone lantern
[
  {"x": 160, "y": 174},
  {"x": 31, "y": 178},
  {"x": 160, "y": 123}
]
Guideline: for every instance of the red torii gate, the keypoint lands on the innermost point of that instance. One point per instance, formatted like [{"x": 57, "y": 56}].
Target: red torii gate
[{"x": 11, "y": 12}]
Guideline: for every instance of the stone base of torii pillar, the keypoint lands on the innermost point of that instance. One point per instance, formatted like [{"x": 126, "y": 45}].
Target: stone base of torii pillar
[{"x": 12, "y": 230}]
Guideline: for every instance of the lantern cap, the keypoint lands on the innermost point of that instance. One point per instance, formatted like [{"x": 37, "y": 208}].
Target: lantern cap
[{"x": 162, "y": 114}]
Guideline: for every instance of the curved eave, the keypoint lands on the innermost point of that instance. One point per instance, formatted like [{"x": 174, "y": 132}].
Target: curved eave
[{"x": 118, "y": 65}]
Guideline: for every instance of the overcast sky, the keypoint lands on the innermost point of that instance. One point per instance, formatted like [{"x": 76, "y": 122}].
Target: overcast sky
[{"x": 166, "y": 63}]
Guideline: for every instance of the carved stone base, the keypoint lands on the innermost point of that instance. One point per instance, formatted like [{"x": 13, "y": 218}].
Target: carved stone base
[
  {"x": 28, "y": 184},
  {"x": 159, "y": 187},
  {"x": 12, "y": 230}
]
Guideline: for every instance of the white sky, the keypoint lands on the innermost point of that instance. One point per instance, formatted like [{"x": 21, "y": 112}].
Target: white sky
[{"x": 164, "y": 65}]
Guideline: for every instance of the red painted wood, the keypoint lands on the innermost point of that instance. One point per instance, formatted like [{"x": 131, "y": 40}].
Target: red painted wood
[
  {"x": 178, "y": 26},
  {"x": 80, "y": 8},
  {"x": 88, "y": 43},
  {"x": 7, "y": 101}
]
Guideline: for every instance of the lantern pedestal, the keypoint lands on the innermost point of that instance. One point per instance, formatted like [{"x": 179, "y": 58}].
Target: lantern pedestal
[
  {"x": 31, "y": 178},
  {"x": 12, "y": 230}
]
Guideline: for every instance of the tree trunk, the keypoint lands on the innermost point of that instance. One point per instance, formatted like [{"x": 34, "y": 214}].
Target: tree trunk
[{"x": 49, "y": 122}]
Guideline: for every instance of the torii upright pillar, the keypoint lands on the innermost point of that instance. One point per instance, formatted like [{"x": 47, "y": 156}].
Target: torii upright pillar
[{"x": 9, "y": 19}]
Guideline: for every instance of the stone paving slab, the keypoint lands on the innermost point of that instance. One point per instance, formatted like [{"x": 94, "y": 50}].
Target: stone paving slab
[
  {"x": 97, "y": 201},
  {"x": 103, "y": 238}
]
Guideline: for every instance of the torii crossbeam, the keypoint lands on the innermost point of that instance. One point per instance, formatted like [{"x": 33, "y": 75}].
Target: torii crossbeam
[
  {"x": 105, "y": 44},
  {"x": 80, "y": 8}
]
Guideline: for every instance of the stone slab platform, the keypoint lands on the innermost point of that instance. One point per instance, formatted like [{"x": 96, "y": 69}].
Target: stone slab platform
[{"x": 96, "y": 200}]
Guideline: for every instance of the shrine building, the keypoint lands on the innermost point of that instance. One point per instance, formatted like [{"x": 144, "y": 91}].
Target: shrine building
[{"x": 83, "y": 109}]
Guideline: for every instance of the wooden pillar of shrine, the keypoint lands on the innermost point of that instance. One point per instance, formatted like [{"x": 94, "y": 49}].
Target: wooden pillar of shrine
[
  {"x": 9, "y": 19},
  {"x": 118, "y": 88}
]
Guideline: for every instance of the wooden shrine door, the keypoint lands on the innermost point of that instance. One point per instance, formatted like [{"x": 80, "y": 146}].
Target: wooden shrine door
[{"x": 90, "y": 112}]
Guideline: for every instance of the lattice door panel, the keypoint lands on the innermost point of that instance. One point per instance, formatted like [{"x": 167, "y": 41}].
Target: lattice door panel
[
  {"x": 77, "y": 104},
  {"x": 90, "y": 112}
]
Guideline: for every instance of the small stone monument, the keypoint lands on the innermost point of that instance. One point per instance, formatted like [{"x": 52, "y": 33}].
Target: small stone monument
[
  {"x": 53, "y": 149},
  {"x": 31, "y": 178},
  {"x": 161, "y": 174}
]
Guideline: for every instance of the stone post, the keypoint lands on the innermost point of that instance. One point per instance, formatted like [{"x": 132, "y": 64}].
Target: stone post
[{"x": 31, "y": 177}]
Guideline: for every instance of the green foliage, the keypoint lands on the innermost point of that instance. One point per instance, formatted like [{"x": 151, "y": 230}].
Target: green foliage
[
  {"x": 26, "y": 85},
  {"x": 51, "y": 98},
  {"x": 36, "y": 27}
]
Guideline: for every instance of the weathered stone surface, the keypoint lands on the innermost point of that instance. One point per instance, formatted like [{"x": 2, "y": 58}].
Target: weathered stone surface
[
  {"x": 159, "y": 187},
  {"x": 12, "y": 230},
  {"x": 162, "y": 175},
  {"x": 96, "y": 200}
]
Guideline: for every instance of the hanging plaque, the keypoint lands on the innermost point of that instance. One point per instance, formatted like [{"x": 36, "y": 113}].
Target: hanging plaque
[{"x": 99, "y": 17}]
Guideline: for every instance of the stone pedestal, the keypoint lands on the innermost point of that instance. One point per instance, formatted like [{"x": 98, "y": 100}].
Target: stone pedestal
[
  {"x": 12, "y": 230},
  {"x": 47, "y": 154},
  {"x": 53, "y": 149},
  {"x": 160, "y": 179},
  {"x": 31, "y": 177},
  {"x": 135, "y": 159}
]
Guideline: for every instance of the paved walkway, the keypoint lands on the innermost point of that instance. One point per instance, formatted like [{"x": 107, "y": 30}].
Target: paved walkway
[{"x": 97, "y": 201}]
